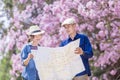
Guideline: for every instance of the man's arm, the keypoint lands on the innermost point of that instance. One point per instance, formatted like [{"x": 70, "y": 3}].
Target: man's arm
[{"x": 87, "y": 49}]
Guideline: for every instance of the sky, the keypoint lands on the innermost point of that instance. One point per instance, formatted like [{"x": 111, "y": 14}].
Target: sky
[{"x": 3, "y": 17}]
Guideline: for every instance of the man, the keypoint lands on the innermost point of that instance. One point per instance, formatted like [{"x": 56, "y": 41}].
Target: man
[{"x": 84, "y": 49}]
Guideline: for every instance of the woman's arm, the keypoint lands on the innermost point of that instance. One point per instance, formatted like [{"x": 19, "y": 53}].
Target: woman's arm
[
  {"x": 26, "y": 55},
  {"x": 26, "y": 61}
]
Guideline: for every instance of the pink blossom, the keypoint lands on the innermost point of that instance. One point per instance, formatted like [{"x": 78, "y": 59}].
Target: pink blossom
[
  {"x": 113, "y": 35},
  {"x": 113, "y": 72},
  {"x": 16, "y": 65},
  {"x": 16, "y": 15},
  {"x": 83, "y": 27},
  {"x": 105, "y": 12},
  {"x": 10, "y": 45},
  {"x": 47, "y": 8},
  {"x": 23, "y": 1},
  {"x": 75, "y": 4},
  {"x": 47, "y": 40},
  {"x": 56, "y": 10},
  {"x": 90, "y": 28},
  {"x": 117, "y": 8},
  {"x": 92, "y": 14},
  {"x": 19, "y": 45},
  {"x": 104, "y": 46},
  {"x": 117, "y": 47},
  {"x": 96, "y": 64},
  {"x": 114, "y": 56},
  {"x": 12, "y": 72},
  {"x": 2, "y": 42},
  {"x": 81, "y": 9},
  {"x": 105, "y": 77},
  {"x": 28, "y": 8},
  {"x": 95, "y": 78},
  {"x": 111, "y": 3},
  {"x": 35, "y": 1},
  {"x": 94, "y": 46},
  {"x": 62, "y": 33},
  {"x": 100, "y": 25},
  {"x": 62, "y": 2},
  {"x": 116, "y": 40},
  {"x": 91, "y": 4},
  {"x": 23, "y": 38},
  {"x": 101, "y": 34}
]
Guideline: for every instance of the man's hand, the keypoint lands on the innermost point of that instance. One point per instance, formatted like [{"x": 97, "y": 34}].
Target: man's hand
[{"x": 79, "y": 50}]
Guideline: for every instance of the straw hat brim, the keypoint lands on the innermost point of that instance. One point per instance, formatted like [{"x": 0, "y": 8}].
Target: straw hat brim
[{"x": 36, "y": 33}]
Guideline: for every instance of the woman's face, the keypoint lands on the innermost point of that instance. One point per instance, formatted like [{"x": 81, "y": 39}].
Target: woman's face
[{"x": 37, "y": 38}]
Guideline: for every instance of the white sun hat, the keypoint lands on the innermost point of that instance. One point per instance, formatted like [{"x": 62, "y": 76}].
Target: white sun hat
[
  {"x": 35, "y": 30},
  {"x": 69, "y": 21}
]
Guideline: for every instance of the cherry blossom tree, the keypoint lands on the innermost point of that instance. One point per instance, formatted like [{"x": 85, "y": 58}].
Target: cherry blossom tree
[{"x": 99, "y": 19}]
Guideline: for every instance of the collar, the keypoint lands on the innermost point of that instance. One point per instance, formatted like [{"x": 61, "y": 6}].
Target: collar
[
  {"x": 76, "y": 37},
  {"x": 30, "y": 43}
]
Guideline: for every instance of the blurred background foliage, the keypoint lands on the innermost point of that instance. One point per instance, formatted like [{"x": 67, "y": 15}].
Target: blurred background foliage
[{"x": 99, "y": 19}]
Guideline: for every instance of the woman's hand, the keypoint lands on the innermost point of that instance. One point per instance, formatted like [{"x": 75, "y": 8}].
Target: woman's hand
[
  {"x": 26, "y": 61},
  {"x": 79, "y": 50},
  {"x": 30, "y": 56}
]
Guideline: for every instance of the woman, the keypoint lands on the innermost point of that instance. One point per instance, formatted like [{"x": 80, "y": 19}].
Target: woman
[{"x": 30, "y": 71}]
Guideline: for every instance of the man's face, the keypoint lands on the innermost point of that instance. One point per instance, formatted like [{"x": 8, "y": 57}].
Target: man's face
[{"x": 70, "y": 28}]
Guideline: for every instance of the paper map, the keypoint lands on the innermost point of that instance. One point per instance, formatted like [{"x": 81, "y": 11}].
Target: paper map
[{"x": 59, "y": 63}]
